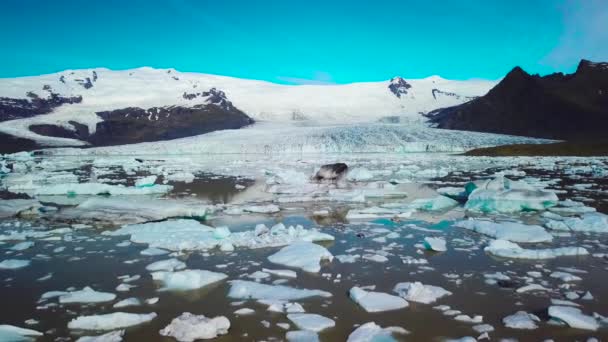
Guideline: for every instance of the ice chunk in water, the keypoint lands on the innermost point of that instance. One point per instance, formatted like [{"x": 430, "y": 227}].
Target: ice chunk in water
[
  {"x": 521, "y": 320},
  {"x": 506, "y": 196},
  {"x": 111, "y": 321},
  {"x": 13, "y": 333},
  {"x": 573, "y": 317},
  {"x": 166, "y": 265},
  {"x": 15, "y": 207},
  {"x": 146, "y": 181},
  {"x": 507, "y": 249},
  {"x": 86, "y": 295},
  {"x": 112, "y": 336},
  {"x": 304, "y": 255},
  {"x": 124, "y": 210},
  {"x": 311, "y": 322},
  {"x": 433, "y": 204},
  {"x": 188, "y": 327},
  {"x": 242, "y": 289},
  {"x": 13, "y": 264},
  {"x": 511, "y": 231},
  {"x": 371, "y": 332},
  {"x": 376, "y": 301},
  {"x": 435, "y": 244},
  {"x": 418, "y": 292},
  {"x": 187, "y": 279},
  {"x": 302, "y": 336}
]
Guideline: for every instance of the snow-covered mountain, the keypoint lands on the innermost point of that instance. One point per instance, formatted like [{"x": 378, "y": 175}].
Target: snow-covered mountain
[{"x": 70, "y": 108}]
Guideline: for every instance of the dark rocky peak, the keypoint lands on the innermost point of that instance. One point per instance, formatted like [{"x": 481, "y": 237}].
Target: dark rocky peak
[
  {"x": 398, "y": 86},
  {"x": 214, "y": 96}
]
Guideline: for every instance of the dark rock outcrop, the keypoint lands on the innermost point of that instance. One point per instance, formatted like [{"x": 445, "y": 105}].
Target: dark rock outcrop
[
  {"x": 331, "y": 172},
  {"x": 399, "y": 86},
  {"x": 11, "y": 108},
  {"x": 557, "y": 106}
]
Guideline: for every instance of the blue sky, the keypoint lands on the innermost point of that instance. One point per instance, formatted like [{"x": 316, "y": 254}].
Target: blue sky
[{"x": 304, "y": 41}]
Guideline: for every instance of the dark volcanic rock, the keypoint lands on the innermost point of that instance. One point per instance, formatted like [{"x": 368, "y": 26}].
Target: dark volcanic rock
[
  {"x": 331, "y": 172},
  {"x": 134, "y": 125},
  {"x": 11, "y": 144},
  {"x": 11, "y": 108},
  {"x": 399, "y": 86},
  {"x": 557, "y": 106}
]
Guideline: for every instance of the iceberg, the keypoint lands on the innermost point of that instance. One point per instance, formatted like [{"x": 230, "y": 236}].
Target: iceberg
[
  {"x": 433, "y": 204},
  {"x": 371, "y": 332},
  {"x": 188, "y": 327},
  {"x": 573, "y": 317},
  {"x": 86, "y": 295},
  {"x": 435, "y": 244},
  {"x": 302, "y": 336},
  {"x": 13, "y": 333},
  {"x": 311, "y": 322},
  {"x": 190, "y": 235},
  {"x": 187, "y": 279},
  {"x": 242, "y": 289},
  {"x": 14, "y": 207},
  {"x": 304, "y": 255},
  {"x": 376, "y": 301},
  {"x": 521, "y": 320},
  {"x": 507, "y": 196},
  {"x": 418, "y": 292},
  {"x": 166, "y": 265},
  {"x": 126, "y": 211},
  {"x": 111, "y": 321},
  {"x": 507, "y": 249},
  {"x": 73, "y": 189},
  {"x": 112, "y": 336},
  {"x": 511, "y": 231},
  {"x": 13, "y": 264}
]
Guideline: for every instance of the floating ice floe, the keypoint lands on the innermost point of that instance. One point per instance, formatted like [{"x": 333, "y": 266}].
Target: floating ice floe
[
  {"x": 13, "y": 333},
  {"x": 112, "y": 336},
  {"x": 304, "y": 255},
  {"x": 506, "y": 196},
  {"x": 86, "y": 295},
  {"x": 146, "y": 182},
  {"x": 111, "y": 321},
  {"x": 187, "y": 279},
  {"x": 433, "y": 204},
  {"x": 73, "y": 189},
  {"x": 302, "y": 336},
  {"x": 377, "y": 212},
  {"x": 376, "y": 301},
  {"x": 127, "y": 302},
  {"x": 281, "y": 273},
  {"x": 588, "y": 223},
  {"x": 188, "y": 327},
  {"x": 418, "y": 292},
  {"x": 180, "y": 235},
  {"x": 13, "y": 264},
  {"x": 311, "y": 322},
  {"x": 370, "y": 332},
  {"x": 186, "y": 177},
  {"x": 507, "y": 249},
  {"x": 242, "y": 289},
  {"x": 573, "y": 317},
  {"x": 521, "y": 320},
  {"x": 359, "y": 174},
  {"x": 21, "y": 246},
  {"x": 254, "y": 209},
  {"x": 435, "y": 244},
  {"x": 127, "y": 211},
  {"x": 166, "y": 265},
  {"x": 14, "y": 207},
  {"x": 511, "y": 231}
]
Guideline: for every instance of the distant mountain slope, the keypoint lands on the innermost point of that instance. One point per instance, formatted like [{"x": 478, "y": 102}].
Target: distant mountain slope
[
  {"x": 104, "y": 107},
  {"x": 557, "y": 106}
]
